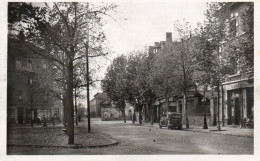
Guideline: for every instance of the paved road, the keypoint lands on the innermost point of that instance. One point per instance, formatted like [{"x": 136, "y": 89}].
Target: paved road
[{"x": 134, "y": 139}]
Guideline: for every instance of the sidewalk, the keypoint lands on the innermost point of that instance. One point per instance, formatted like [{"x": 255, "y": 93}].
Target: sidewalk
[
  {"x": 227, "y": 130},
  {"x": 53, "y": 136}
]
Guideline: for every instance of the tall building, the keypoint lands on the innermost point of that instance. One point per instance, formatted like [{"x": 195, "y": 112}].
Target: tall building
[
  {"x": 25, "y": 100},
  {"x": 237, "y": 95}
]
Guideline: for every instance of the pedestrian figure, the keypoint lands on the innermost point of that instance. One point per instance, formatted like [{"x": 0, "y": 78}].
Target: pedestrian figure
[
  {"x": 53, "y": 121},
  {"x": 44, "y": 121}
]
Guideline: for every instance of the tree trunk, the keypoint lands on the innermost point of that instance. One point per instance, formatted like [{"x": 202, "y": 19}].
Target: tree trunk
[
  {"x": 185, "y": 110},
  {"x": 205, "y": 126},
  {"x": 88, "y": 98},
  {"x": 133, "y": 119},
  {"x": 167, "y": 103},
  {"x": 65, "y": 112},
  {"x": 140, "y": 113},
  {"x": 76, "y": 110},
  {"x": 218, "y": 123},
  {"x": 124, "y": 115},
  {"x": 124, "y": 111},
  {"x": 151, "y": 107},
  {"x": 31, "y": 111},
  {"x": 70, "y": 109}
]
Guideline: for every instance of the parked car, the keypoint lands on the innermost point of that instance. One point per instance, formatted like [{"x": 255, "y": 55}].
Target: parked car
[{"x": 171, "y": 120}]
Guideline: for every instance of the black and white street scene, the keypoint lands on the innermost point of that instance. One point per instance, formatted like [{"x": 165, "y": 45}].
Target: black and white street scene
[{"x": 130, "y": 78}]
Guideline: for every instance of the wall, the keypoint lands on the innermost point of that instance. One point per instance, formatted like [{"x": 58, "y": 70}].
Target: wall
[{"x": 18, "y": 83}]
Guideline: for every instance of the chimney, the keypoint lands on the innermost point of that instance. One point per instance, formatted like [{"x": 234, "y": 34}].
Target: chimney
[
  {"x": 151, "y": 50},
  {"x": 168, "y": 37}
]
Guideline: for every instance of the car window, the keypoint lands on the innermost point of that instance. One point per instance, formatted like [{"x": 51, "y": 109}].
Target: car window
[{"x": 175, "y": 116}]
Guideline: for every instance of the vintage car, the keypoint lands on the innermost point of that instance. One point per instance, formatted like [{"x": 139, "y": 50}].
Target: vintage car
[{"x": 171, "y": 120}]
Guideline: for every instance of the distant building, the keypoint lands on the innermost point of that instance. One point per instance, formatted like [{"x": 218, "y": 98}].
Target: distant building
[
  {"x": 195, "y": 106},
  {"x": 95, "y": 106},
  {"x": 23, "y": 97},
  {"x": 101, "y": 106},
  {"x": 109, "y": 111}
]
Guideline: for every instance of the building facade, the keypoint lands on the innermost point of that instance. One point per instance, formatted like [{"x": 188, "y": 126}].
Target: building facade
[
  {"x": 236, "y": 105},
  {"x": 25, "y": 100},
  {"x": 95, "y": 104}
]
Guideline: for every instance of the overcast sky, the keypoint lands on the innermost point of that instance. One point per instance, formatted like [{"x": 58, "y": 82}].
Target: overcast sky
[
  {"x": 148, "y": 22},
  {"x": 140, "y": 24}
]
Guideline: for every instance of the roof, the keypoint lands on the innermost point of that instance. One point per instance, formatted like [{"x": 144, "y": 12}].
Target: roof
[
  {"x": 105, "y": 102},
  {"x": 101, "y": 95}
]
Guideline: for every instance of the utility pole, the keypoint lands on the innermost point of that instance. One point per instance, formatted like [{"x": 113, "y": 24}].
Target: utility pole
[
  {"x": 88, "y": 101},
  {"x": 184, "y": 87}
]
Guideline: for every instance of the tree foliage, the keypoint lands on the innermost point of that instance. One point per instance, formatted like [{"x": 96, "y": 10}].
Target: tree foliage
[{"x": 61, "y": 31}]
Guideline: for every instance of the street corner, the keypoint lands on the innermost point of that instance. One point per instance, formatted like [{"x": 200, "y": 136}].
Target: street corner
[{"x": 56, "y": 138}]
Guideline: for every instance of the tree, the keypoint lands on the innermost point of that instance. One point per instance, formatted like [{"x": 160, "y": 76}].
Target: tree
[
  {"x": 231, "y": 52},
  {"x": 206, "y": 64},
  {"x": 61, "y": 31},
  {"x": 114, "y": 83},
  {"x": 184, "y": 54},
  {"x": 212, "y": 39},
  {"x": 139, "y": 72},
  {"x": 165, "y": 77}
]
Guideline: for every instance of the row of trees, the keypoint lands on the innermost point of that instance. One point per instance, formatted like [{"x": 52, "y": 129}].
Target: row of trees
[
  {"x": 195, "y": 59},
  {"x": 66, "y": 35}
]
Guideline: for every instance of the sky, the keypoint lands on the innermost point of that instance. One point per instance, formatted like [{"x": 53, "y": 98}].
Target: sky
[{"x": 140, "y": 24}]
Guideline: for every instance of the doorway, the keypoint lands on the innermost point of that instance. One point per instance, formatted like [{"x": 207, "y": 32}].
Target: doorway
[
  {"x": 20, "y": 115},
  {"x": 237, "y": 111}
]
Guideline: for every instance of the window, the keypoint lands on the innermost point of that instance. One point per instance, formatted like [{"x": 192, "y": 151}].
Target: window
[
  {"x": 18, "y": 64},
  {"x": 30, "y": 81},
  {"x": 45, "y": 98},
  {"x": 29, "y": 64},
  {"x": 233, "y": 64},
  {"x": 233, "y": 27},
  {"x": 19, "y": 95}
]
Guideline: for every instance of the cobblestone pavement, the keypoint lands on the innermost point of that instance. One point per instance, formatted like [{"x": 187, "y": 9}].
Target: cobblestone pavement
[{"x": 148, "y": 140}]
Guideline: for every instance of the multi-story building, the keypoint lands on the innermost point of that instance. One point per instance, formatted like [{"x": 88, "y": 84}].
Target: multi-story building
[
  {"x": 237, "y": 94},
  {"x": 236, "y": 99},
  {"x": 25, "y": 100},
  {"x": 195, "y": 105}
]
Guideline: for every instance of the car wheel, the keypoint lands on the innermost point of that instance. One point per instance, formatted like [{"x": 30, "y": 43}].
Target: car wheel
[
  {"x": 160, "y": 126},
  {"x": 180, "y": 128}
]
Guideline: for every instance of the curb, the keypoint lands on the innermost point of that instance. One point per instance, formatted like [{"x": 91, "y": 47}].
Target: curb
[
  {"x": 245, "y": 136},
  {"x": 114, "y": 143},
  {"x": 66, "y": 147}
]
